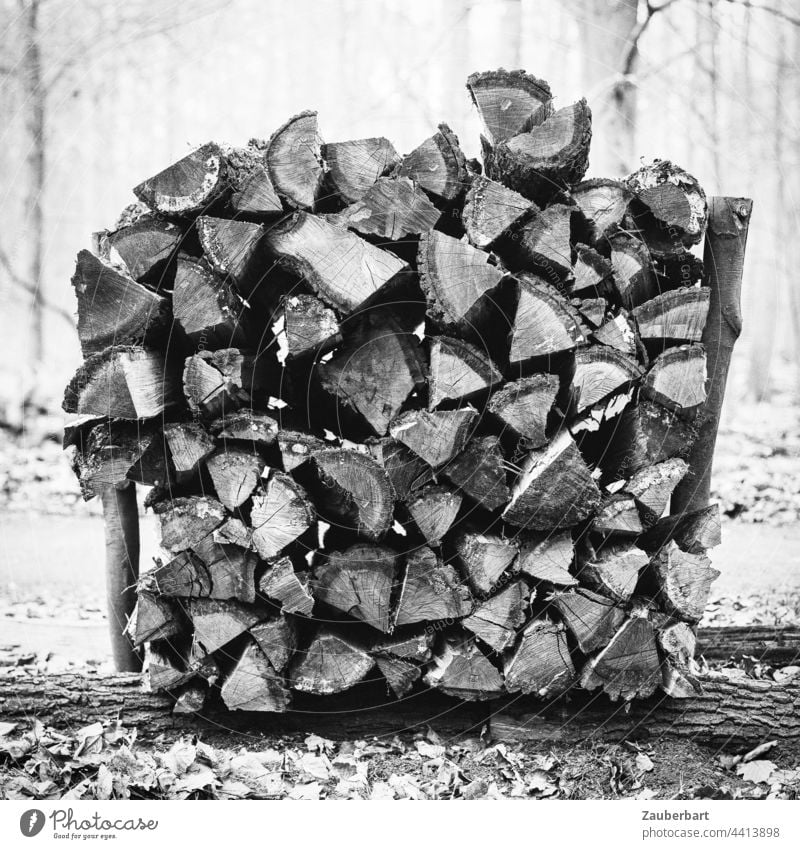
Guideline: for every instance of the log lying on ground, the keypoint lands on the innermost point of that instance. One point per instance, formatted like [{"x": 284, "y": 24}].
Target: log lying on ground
[{"x": 421, "y": 405}]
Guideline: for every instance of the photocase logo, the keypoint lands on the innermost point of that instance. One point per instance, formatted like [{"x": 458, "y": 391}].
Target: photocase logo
[{"x": 31, "y": 822}]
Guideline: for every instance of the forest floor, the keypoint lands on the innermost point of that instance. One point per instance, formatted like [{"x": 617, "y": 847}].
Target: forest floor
[{"x": 52, "y": 619}]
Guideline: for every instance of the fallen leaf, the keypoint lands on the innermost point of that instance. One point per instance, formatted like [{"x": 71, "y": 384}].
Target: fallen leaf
[
  {"x": 758, "y": 772},
  {"x": 643, "y": 763}
]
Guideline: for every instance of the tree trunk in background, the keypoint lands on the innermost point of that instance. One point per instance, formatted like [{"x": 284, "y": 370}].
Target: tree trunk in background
[
  {"x": 606, "y": 29},
  {"x": 34, "y": 95}
]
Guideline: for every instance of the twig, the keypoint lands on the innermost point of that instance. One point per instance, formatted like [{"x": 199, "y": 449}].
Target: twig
[{"x": 21, "y": 283}]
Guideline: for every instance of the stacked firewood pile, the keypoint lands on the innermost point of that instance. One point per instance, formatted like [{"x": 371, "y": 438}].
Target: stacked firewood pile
[{"x": 409, "y": 418}]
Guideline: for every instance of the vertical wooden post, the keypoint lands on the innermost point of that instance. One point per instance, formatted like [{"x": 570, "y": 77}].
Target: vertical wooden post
[
  {"x": 723, "y": 256},
  {"x": 121, "y": 515}
]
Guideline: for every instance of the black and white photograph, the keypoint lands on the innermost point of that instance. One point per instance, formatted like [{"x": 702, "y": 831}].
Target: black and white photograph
[{"x": 400, "y": 400}]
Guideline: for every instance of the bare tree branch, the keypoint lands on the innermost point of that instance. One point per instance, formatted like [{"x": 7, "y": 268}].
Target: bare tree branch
[
  {"x": 770, "y": 10},
  {"x": 636, "y": 35}
]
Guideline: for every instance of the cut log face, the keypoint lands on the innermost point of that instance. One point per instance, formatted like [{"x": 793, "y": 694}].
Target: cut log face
[
  {"x": 484, "y": 558},
  {"x": 281, "y": 583},
  {"x": 216, "y": 623},
  {"x": 618, "y": 515},
  {"x": 113, "y": 309},
  {"x": 280, "y": 514},
  {"x": 629, "y": 666},
  {"x": 437, "y": 165},
  {"x": 297, "y": 447},
  {"x": 551, "y": 155},
  {"x": 231, "y": 569},
  {"x": 184, "y": 576},
  {"x": 524, "y": 406},
  {"x": 592, "y": 309},
  {"x": 189, "y": 444},
  {"x": 185, "y": 521},
  {"x": 508, "y": 102},
  {"x": 400, "y": 675},
  {"x": 356, "y": 491},
  {"x": 407, "y": 471},
  {"x": 464, "y": 672},
  {"x": 435, "y": 436},
  {"x": 653, "y": 486},
  {"x": 599, "y": 373},
  {"x": 548, "y": 558},
  {"x": 146, "y": 248},
  {"x": 253, "y": 194},
  {"x": 634, "y": 276},
  {"x": 677, "y": 379},
  {"x": 544, "y": 243},
  {"x": 345, "y": 270},
  {"x": 355, "y": 166},
  {"x": 235, "y": 473},
  {"x": 122, "y": 383},
  {"x": 455, "y": 276},
  {"x": 592, "y": 618},
  {"x": 217, "y": 383},
  {"x": 416, "y": 647},
  {"x": 259, "y": 429},
  {"x": 617, "y": 334},
  {"x": 231, "y": 247},
  {"x": 694, "y": 532},
  {"x": 359, "y": 582},
  {"x": 684, "y": 580},
  {"x": 330, "y": 664},
  {"x": 188, "y": 186},
  {"x": 433, "y": 510},
  {"x": 254, "y": 685},
  {"x": 604, "y": 204},
  {"x": 591, "y": 271},
  {"x": 311, "y": 328},
  {"x": 541, "y": 663},
  {"x": 614, "y": 572},
  {"x": 675, "y": 202},
  {"x": 206, "y": 308},
  {"x": 431, "y": 591},
  {"x": 458, "y": 371},
  {"x": 376, "y": 373},
  {"x": 491, "y": 210},
  {"x": 234, "y": 532},
  {"x": 496, "y": 620},
  {"x": 675, "y": 316},
  {"x": 554, "y": 489},
  {"x": 277, "y": 639},
  {"x": 391, "y": 209},
  {"x": 154, "y": 618},
  {"x": 294, "y": 161},
  {"x": 545, "y": 323},
  {"x": 479, "y": 471}
]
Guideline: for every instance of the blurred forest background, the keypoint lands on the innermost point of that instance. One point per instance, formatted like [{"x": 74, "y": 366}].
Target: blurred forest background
[{"x": 98, "y": 94}]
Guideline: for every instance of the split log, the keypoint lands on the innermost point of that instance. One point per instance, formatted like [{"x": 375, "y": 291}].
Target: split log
[
  {"x": 495, "y": 621},
  {"x": 458, "y": 371},
  {"x": 634, "y": 278},
  {"x": 259, "y": 429},
  {"x": 329, "y": 665},
  {"x": 548, "y": 558},
  {"x": 342, "y": 268},
  {"x": 434, "y": 436},
  {"x": 617, "y": 334},
  {"x": 232, "y": 249},
  {"x": 618, "y": 515},
  {"x": 541, "y": 663},
  {"x": 217, "y": 383},
  {"x": 614, "y": 571},
  {"x": 206, "y": 308},
  {"x": 591, "y": 272},
  {"x": 280, "y": 514},
  {"x": 235, "y": 473},
  {"x": 417, "y": 647},
  {"x": 484, "y": 557},
  {"x": 437, "y": 165},
  {"x": 400, "y": 675},
  {"x": 677, "y": 379},
  {"x": 359, "y": 582},
  {"x": 252, "y": 192},
  {"x": 297, "y": 447},
  {"x": 604, "y": 204},
  {"x": 464, "y": 672},
  {"x": 407, "y": 471},
  {"x": 543, "y": 243},
  {"x": 113, "y": 309},
  {"x": 684, "y": 581},
  {"x": 545, "y": 322},
  {"x": 217, "y": 623},
  {"x": 554, "y": 489},
  {"x": 355, "y": 166},
  {"x": 235, "y": 532},
  {"x": 524, "y": 406},
  {"x": 154, "y": 618},
  {"x": 294, "y": 161},
  {"x": 592, "y": 309},
  {"x": 391, "y": 209},
  {"x": 189, "y": 444},
  {"x": 122, "y": 383},
  {"x": 254, "y": 685},
  {"x": 653, "y": 486},
  {"x": 185, "y": 521},
  {"x": 694, "y": 532},
  {"x": 189, "y": 186},
  {"x": 283, "y": 584},
  {"x": 629, "y": 666},
  {"x": 433, "y": 510},
  {"x": 431, "y": 591},
  {"x": 491, "y": 210},
  {"x": 355, "y": 492},
  {"x": 508, "y": 101},
  {"x": 591, "y": 618},
  {"x": 479, "y": 471},
  {"x": 310, "y": 327},
  {"x": 673, "y": 317},
  {"x": 457, "y": 278},
  {"x": 147, "y": 248}
]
